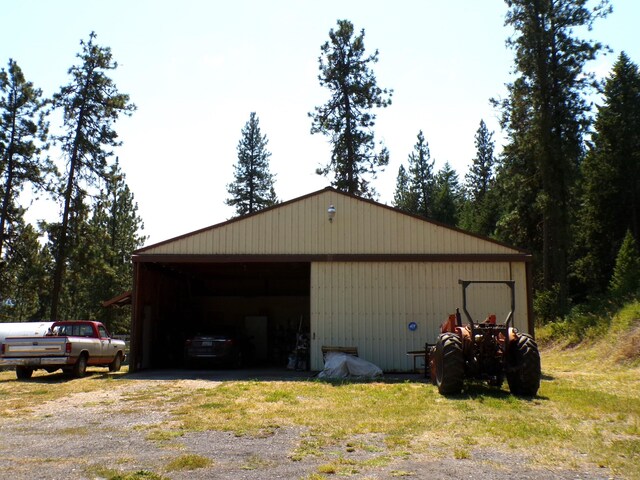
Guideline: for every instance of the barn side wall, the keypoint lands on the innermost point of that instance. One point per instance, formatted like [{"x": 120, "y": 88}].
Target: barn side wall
[{"x": 370, "y": 305}]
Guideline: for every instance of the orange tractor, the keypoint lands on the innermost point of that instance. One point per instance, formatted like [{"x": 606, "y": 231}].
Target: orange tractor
[{"x": 485, "y": 351}]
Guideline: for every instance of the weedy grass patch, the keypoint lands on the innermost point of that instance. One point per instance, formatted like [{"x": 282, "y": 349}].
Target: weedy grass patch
[
  {"x": 112, "y": 474},
  {"x": 16, "y": 397},
  {"x": 188, "y": 462}
]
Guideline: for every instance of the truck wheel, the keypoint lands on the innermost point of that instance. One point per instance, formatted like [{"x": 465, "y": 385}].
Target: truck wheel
[
  {"x": 116, "y": 364},
  {"x": 23, "y": 373},
  {"x": 449, "y": 364},
  {"x": 523, "y": 369},
  {"x": 80, "y": 368}
]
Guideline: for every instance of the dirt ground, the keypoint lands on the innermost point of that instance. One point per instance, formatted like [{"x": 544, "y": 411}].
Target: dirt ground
[{"x": 71, "y": 439}]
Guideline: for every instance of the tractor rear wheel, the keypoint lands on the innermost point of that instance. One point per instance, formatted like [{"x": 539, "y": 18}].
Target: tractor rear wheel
[
  {"x": 523, "y": 370},
  {"x": 449, "y": 364}
]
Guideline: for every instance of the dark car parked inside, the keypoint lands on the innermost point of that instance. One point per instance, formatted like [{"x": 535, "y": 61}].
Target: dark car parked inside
[{"x": 226, "y": 348}]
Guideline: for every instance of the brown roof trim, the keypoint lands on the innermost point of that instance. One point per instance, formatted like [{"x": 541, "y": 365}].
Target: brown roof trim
[
  {"x": 118, "y": 301},
  {"x": 312, "y": 194},
  {"x": 342, "y": 257}
]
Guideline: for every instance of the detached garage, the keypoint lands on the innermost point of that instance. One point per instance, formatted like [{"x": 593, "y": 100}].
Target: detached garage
[{"x": 338, "y": 269}]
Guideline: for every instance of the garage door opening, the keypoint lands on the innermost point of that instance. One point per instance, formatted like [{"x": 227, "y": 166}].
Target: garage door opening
[{"x": 266, "y": 305}]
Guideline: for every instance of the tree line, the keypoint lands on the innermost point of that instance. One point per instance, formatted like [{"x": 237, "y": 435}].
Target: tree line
[
  {"x": 65, "y": 269},
  {"x": 565, "y": 185}
]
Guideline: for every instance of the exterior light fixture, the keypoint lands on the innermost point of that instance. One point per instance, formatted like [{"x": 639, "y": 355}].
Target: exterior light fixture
[{"x": 331, "y": 212}]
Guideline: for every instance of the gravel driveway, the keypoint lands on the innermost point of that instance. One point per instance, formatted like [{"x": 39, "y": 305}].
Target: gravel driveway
[{"x": 72, "y": 438}]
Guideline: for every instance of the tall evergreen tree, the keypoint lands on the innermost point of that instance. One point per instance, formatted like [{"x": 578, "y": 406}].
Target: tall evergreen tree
[
  {"x": 610, "y": 204},
  {"x": 91, "y": 105},
  {"x": 116, "y": 232},
  {"x": 422, "y": 181},
  {"x": 101, "y": 265},
  {"x": 347, "y": 118},
  {"x": 415, "y": 188},
  {"x": 545, "y": 118},
  {"x": 626, "y": 274},
  {"x": 479, "y": 213},
  {"x": 100, "y": 241},
  {"x": 478, "y": 179},
  {"x": 80, "y": 253},
  {"x": 27, "y": 280},
  {"x": 23, "y": 131},
  {"x": 446, "y": 196},
  {"x": 403, "y": 197},
  {"x": 253, "y": 185}
]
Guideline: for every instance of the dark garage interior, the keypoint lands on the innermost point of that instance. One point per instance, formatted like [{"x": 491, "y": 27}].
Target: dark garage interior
[{"x": 267, "y": 303}]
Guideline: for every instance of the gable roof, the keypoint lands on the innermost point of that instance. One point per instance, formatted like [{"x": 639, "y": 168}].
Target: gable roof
[{"x": 301, "y": 227}]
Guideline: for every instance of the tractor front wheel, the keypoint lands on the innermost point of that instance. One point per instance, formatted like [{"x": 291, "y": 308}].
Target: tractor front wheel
[
  {"x": 523, "y": 370},
  {"x": 449, "y": 364}
]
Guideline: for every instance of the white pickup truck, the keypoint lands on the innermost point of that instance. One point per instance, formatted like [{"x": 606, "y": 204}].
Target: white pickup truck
[{"x": 71, "y": 346}]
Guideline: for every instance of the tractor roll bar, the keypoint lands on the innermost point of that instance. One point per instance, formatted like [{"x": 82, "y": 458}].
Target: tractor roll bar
[{"x": 508, "y": 283}]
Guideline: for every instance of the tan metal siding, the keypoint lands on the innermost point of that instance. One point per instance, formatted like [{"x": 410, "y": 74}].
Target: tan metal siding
[
  {"x": 370, "y": 305},
  {"x": 302, "y": 227}
]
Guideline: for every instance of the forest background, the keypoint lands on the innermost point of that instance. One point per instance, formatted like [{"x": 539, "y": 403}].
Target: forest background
[{"x": 561, "y": 180}]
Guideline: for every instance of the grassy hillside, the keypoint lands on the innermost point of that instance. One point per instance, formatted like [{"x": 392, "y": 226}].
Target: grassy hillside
[
  {"x": 592, "y": 366},
  {"x": 611, "y": 336}
]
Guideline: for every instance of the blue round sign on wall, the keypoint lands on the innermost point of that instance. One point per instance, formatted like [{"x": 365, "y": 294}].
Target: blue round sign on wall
[{"x": 413, "y": 326}]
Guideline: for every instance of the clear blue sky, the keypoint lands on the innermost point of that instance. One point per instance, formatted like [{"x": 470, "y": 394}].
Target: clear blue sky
[{"x": 196, "y": 69}]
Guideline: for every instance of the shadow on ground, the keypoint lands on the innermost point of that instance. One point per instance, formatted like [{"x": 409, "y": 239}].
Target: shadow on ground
[{"x": 260, "y": 374}]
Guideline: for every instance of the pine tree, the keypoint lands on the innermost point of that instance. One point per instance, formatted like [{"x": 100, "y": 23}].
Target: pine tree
[
  {"x": 27, "y": 282},
  {"x": 422, "y": 182},
  {"x": 253, "y": 185},
  {"x": 478, "y": 179},
  {"x": 100, "y": 242},
  {"x": 610, "y": 203},
  {"x": 626, "y": 274},
  {"x": 80, "y": 253},
  {"x": 403, "y": 197},
  {"x": 545, "y": 118},
  {"x": 115, "y": 230},
  {"x": 91, "y": 105},
  {"x": 479, "y": 213},
  {"x": 416, "y": 188},
  {"x": 23, "y": 130},
  {"x": 347, "y": 117},
  {"x": 446, "y": 198}
]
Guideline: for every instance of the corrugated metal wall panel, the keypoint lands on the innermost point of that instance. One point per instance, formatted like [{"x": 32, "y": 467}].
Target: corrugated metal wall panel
[
  {"x": 370, "y": 305},
  {"x": 302, "y": 227}
]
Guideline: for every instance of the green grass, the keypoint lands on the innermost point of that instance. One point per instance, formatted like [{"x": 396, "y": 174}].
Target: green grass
[
  {"x": 111, "y": 474},
  {"x": 188, "y": 462},
  {"x": 588, "y": 408},
  {"x": 48, "y": 386},
  {"x": 575, "y": 412},
  {"x": 586, "y": 414}
]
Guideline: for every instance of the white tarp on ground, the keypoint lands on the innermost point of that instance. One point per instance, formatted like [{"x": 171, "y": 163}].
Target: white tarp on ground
[{"x": 342, "y": 365}]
